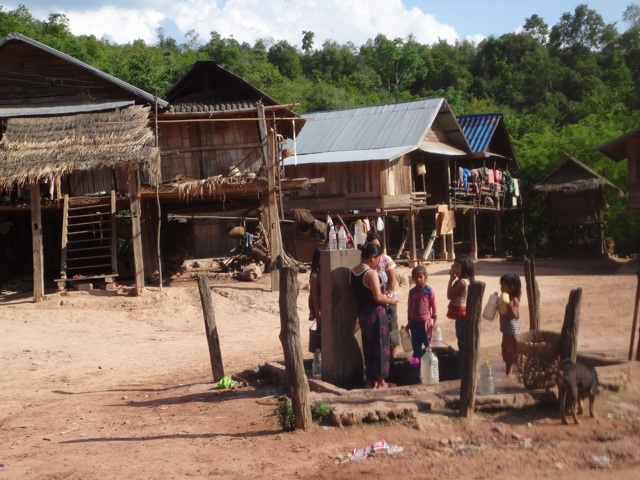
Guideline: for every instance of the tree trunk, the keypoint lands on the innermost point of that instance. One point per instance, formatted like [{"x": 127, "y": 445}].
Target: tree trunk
[{"x": 290, "y": 339}]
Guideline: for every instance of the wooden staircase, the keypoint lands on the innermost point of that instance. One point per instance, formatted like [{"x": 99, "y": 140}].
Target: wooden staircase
[{"x": 88, "y": 240}]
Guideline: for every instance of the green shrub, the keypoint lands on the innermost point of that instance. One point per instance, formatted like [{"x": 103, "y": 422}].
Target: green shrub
[
  {"x": 285, "y": 415},
  {"x": 321, "y": 412}
]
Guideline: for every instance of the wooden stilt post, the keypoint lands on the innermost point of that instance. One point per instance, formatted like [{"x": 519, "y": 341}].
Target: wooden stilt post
[
  {"x": 36, "y": 243},
  {"x": 136, "y": 231},
  {"x": 412, "y": 226},
  {"x": 569, "y": 332},
  {"x": 474, "y": 234},
  {"x": 497, "y": 234},
  {"x": 275, "y": 236},
  {"x": 471, "y": 346},
  {"x": 290, "y": 339},
  {"x": 211, "y": 329}
]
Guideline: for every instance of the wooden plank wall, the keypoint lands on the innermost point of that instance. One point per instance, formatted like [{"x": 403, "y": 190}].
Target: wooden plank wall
[
  {"x": 205, "y": 149},
  {"x": 210, "y": 239}
]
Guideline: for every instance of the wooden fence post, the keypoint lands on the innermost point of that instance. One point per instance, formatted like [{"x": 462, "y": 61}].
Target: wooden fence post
[
  {"x": 470, "y": 354},
  {"x": 533, "y": 294},
  {"x": 635, "y": 321},
  {"x": 569, "y": 335},
  {"x": 290, "y": 339},
  {"x": 210, "y": 327}
]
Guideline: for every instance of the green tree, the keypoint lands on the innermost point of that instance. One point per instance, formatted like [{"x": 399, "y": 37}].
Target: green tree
[
  {"x": 286, "y": 59},
  {"x": 396, "y": 62}
]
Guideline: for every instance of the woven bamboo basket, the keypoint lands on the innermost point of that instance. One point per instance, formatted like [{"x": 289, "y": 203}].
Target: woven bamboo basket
[{"x": 538, "y": 354}]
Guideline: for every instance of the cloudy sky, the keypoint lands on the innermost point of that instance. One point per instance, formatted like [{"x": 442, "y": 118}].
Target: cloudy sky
[{"x": 122, "y": 21}]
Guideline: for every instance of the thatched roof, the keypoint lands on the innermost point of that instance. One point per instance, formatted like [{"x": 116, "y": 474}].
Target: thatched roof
[
  {"x": 573, "y": 176},
  {"x": 47, "y": 148}
]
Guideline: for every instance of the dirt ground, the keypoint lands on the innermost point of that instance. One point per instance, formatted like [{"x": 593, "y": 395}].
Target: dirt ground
[{"x": 120, "y": 387}]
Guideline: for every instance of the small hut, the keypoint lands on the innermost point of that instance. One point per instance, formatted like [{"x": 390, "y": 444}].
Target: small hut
[
  {"x": 576, "y": 202},
  {"x": 627, "y": 146}
]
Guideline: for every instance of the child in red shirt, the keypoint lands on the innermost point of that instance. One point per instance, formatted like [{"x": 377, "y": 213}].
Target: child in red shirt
[{"x": 422, "y": 312}]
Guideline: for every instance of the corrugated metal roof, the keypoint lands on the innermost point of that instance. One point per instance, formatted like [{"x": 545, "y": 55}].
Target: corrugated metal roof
[
  {"x": 479, "y": 129},
  {"x": 124, "y": 85},
  {"x": 349, "y": 156},
  {"x": 42, "y": 110},
  {"x": 370, "y": 133}
]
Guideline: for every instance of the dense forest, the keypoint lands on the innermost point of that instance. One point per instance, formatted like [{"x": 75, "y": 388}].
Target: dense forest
[{"x": 563, "y": 89}]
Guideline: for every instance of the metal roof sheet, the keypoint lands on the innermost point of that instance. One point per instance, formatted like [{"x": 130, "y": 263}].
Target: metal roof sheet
[
  {"x": 349, "y": 155},
  {"x": 122, "y": 84},
  {"x": 479, "y": 129},
  {"x": 373, "y": 133}
]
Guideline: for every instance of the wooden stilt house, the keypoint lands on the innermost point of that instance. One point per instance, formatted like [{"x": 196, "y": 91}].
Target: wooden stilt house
[
  {"x": 575, "y": 202},
  {"x": 398, "y": 162},
  {"x": 71, "y": 137}
]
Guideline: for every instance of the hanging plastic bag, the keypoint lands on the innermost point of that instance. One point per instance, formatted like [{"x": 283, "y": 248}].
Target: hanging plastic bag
[{"x": 379, "y": 224}]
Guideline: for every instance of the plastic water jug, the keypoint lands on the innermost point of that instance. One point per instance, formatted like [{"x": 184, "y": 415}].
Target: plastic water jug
[
  {"x": 316, "y": 366},
  {"x": 342, "y": 238},
  {"x": 333, "y": 239},
  {"x": 436, "y": 338},
  {"x": 360, "y": 234},
  {"x": 486, "y": 383},
  {"x": 491, "y": 308},
  {"x": 429, "y": 374}
]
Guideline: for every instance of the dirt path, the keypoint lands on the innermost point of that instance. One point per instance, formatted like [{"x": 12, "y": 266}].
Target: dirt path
[{"x": 120, "y": 387}]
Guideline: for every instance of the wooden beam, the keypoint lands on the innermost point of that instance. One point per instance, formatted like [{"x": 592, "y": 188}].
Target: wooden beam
[
  {"x": 136, "y": 231},
  {"x": 570, "y": 326},
  {"x": 36, "y": 243},
  {"x": 275, "y": 234}
]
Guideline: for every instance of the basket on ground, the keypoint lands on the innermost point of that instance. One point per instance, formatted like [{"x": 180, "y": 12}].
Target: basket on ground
[{"x": 538, "y": 354}]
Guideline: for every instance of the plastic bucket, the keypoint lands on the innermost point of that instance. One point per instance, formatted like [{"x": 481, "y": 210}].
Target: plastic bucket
[{"x": 314, "y": 340}]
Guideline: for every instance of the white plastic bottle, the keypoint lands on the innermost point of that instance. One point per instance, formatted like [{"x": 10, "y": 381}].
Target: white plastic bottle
[
  {"x": 429, "y": 373},
  {"x": 486, "y": 383},
  {"x": 342, "y": 238},
  {"x": 360, "y": 236},
  {"x": 491, "y": 308},
  {"x": 316, "y": 366},
  {"x": 333, "y": 239},
  {"x": 436, "y": 338}
]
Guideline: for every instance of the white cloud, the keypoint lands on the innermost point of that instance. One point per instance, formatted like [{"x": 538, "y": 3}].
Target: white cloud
[
  {"x": 117, "y": 24},
  {"x": 249, "y": 20}
]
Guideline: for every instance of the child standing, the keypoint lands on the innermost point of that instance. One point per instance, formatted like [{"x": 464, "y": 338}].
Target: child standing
[
  {"x": 460, "y": 276},
  {"x": 510, "y": 321},
  {"x": 422, "y": 312}
]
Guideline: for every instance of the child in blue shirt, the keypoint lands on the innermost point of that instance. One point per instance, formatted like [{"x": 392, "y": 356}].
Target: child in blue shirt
[{"x": 422, "y": 312}]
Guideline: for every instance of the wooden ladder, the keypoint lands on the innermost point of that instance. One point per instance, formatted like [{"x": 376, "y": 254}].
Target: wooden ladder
[{"x": 88, "y": 240}]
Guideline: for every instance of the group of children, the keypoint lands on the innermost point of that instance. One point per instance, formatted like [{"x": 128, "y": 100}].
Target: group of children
[{"x": 423, "y": 314}]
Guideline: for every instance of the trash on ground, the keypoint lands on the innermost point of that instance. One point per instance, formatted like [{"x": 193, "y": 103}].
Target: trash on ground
[
  {"x": 226, "y": 382},
  {"x": 361, "y": 453}
]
